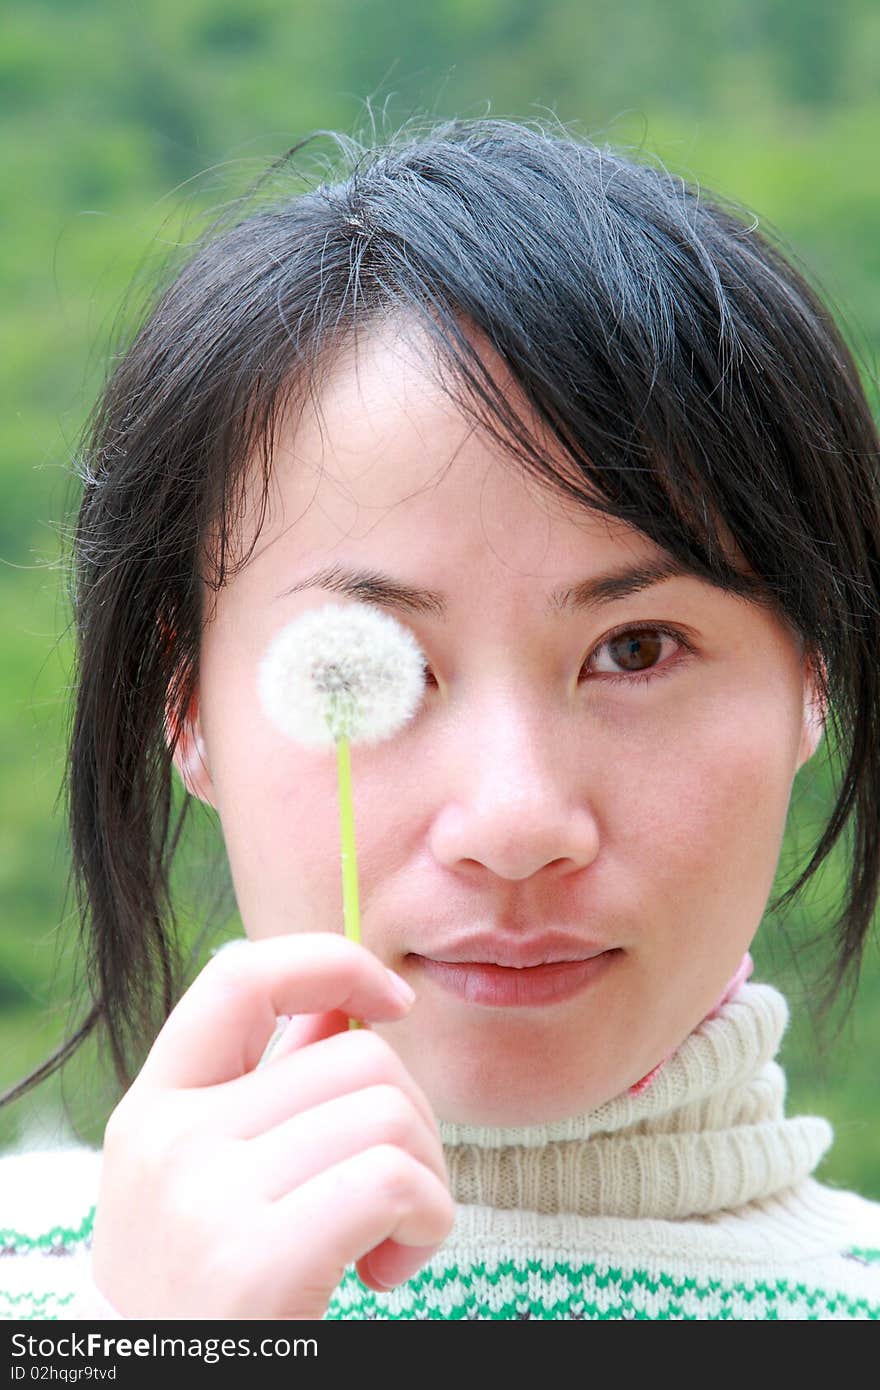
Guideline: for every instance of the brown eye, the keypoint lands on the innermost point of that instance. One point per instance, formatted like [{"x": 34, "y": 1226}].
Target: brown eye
[
  {"x": 635, "y": 655},
  {"x": 636, "y": 651}
]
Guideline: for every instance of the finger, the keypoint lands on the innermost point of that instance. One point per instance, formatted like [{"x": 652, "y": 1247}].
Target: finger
[
  {"x": 341, "y": 1215},
  {"x": 330, "y": 1067},
  {"x": 220, "y": 1028},
  {"x": 303, "y": 1029},
  {"x": 392, "y": 1263},
  {"x": 293, "y": 1152}
]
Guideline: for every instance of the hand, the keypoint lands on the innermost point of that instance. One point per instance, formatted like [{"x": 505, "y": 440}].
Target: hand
[{"x": 230, "y": 1192}]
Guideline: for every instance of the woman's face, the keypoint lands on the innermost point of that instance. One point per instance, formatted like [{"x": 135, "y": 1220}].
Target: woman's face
[{"x": 564, "y": 789}]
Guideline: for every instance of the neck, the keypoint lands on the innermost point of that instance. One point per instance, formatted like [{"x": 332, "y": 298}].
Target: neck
[{"x": 709, "y": 1133}]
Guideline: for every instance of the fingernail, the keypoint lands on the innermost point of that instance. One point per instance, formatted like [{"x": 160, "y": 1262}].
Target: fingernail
[
  {"x": 402, "y": 990},
  {"x": 280, "y": 1029}
]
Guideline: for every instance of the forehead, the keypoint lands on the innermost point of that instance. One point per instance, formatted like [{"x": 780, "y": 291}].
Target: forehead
[
  {"x": 381, "y": 403},
  {"x": 383, "y": 441},
  {"x": 382, "y": 471}
]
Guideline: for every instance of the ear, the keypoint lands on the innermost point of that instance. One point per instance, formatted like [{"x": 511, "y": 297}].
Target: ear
[
  {"x": 190, "y": 755},
  {"x": 815, "y": 711}
]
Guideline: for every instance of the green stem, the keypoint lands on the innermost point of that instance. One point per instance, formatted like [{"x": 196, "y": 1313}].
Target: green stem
[{"x": 350, "y": 908}]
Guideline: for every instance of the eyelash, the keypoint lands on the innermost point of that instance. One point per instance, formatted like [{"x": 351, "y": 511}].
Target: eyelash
[{"x": 632, "y": 677}]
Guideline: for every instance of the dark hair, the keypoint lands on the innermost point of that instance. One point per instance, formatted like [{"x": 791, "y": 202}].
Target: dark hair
[{"x": 694, "y": 383}]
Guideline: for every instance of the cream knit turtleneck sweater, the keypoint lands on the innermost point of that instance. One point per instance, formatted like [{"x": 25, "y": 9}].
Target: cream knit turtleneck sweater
[{"x": 693, "y": 1198}]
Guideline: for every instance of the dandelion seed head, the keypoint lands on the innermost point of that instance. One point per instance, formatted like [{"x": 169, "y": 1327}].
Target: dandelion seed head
[{"x": 341, "y": 670}]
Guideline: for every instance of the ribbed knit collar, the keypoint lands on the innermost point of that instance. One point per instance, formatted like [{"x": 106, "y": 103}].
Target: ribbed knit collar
[{"x": 708, "y": 1134}]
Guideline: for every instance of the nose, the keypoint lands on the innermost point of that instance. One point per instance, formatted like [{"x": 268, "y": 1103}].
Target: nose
[{"x": 514, "y": 797}]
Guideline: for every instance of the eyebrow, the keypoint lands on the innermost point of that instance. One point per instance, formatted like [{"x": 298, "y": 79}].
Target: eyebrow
[{"x": 369, "y": 586}]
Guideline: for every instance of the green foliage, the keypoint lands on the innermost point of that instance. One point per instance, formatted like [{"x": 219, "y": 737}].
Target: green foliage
[{"x": 120, "y": 124}]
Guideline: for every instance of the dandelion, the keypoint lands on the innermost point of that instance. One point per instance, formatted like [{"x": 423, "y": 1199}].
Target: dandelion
[{"x": 342, "y": 675}]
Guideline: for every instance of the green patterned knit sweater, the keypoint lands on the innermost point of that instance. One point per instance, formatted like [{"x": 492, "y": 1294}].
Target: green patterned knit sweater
[{"x": 693, "y": 1198}]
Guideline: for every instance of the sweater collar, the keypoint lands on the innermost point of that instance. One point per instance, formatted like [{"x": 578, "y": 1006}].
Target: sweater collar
[{"x": 708, "y": 1134}]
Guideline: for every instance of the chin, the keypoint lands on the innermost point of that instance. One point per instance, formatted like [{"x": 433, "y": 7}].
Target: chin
[
  {"x": 508, "y": 1111},
  {"x": 481, "y": 1079}
]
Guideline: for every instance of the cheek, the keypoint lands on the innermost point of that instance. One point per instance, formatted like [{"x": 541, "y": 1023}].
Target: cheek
[
  {"x": 278, "y": 808},
  {"x": 706, "y": 808}
]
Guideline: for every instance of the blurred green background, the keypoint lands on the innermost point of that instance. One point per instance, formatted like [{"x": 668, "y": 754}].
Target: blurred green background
[{"x": 121, "y": 122}]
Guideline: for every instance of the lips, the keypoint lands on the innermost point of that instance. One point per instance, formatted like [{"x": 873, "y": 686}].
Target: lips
[
  {"x": 501, "y": 986},
  {"x": 515, "y": 953}
]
